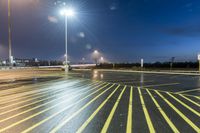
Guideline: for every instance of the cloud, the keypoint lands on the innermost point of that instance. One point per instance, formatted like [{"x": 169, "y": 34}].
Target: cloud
[
  {"x": 191, "y": 31},
  {"x": 52, "y": 19}
]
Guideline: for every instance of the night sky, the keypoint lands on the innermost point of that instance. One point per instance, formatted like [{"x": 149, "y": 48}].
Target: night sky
[{"x": 122, "y": 30}]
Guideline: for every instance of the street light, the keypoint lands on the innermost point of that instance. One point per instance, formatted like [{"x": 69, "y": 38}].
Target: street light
[
  {"x": 66, "y": 12},
  {"x": 96, "y": 56},
  {"x": 9, "y": 34},
  {"x": 102, "y": 60}
]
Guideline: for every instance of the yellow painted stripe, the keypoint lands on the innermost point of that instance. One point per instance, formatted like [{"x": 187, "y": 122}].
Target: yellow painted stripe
[
  {"x": 187, "y": 91},
  {"x": 36, "y": 114},
  {"x": 185, "y": 105},
  {"x": 189, "y": 100},
  {"x": 179, "y": 112},
  {"x": 39, "y": 95},
  {"x": 19, "y": 89},
  {"x": 197, "y": 97},
  {"x": 161, "y": 85},
  {"x": 107, "y": 123},
  {"x": 23, "y": 94},
  {"x": 80, "y": 130},
  {"x": 62, "y": 110},
  {"x": 148, "y": 119},
  {"x": 45, "y": 91},
  {"x": 37, "y": 101},
  {"x": 167, "y": 119},
  {"x": 129, "y": 119},
  {"x": 68, "y": 118}
]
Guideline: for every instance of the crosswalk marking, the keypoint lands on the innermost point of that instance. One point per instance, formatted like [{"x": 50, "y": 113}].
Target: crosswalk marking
[
  {"x": 148, "y": 119},
  {"x": 170, "y": 123},
  {"x": 107, "y": 123}
]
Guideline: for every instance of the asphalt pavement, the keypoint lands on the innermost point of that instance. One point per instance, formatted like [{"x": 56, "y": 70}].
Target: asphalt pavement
[{"x": 39, "y": 101}]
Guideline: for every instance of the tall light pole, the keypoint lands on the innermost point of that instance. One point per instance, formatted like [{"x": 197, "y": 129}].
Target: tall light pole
[
  {"x": 102, "y": 60},
  {"x": 9, "y": 34},
  {"x": 66, "y": 12},
  {"x": 96, "y": 56}
]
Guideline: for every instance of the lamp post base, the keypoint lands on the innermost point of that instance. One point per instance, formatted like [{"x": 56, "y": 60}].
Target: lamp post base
[{"x": 66, "y": 68}]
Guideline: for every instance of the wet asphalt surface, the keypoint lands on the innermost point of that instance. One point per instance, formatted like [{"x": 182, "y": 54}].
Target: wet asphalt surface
[{"x": 96, "y": 101}]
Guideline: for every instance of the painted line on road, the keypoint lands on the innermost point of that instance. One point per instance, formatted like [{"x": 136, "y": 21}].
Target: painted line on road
[
  {"x": 167, "y": 119},
  {"x": 109, "y": 119},
  {"x": 189, "y": 100},
  {"x": 16, "y": 89},
  {"x": 157, "y": 85},
  {"x": 85, "y": 124},
  {"x": 197, "y": 97},
  {"x": 130, "y": 114},
  {"x": 37, "y": 101},
  {"x": 25, "y": 93},
  {"x": 41, "y": 105},
  {"x": 148, "y": 119},
  {"x": 61, "y": 111},
  {"x": 185, "y": 105},
  {"x": 68, "y": 118},
  {"x": 179, "y": 112},
  {"x": 42, "y": 94},
  {"x": 170, "y": 92},
  {"x": 188, "y": 91},
  {"x": 38, "y": 94}
]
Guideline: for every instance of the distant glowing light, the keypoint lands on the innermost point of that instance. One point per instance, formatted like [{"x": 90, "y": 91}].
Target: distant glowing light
[{"x": 96, "y": 52}]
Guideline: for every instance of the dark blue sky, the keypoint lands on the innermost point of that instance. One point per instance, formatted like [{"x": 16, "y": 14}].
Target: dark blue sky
[{"x": 122, "y": 30}]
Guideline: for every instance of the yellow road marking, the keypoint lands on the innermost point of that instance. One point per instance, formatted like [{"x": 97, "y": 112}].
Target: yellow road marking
[
  {"x": 68, "y": 118},
  {"x": 18, "y": 89},
  {"x": 55, "y": 95},
  {"x": 28, "y": 95},
  {"x": 107, "y": 123},
  {"x": 161, "y": 85},
  {"x": 197, "y": 97},
  {"x": 12, "y": 97},
  {"x": 36, "y": 97},
  {"x": 39, "y": 95},
  {"x": 167, "y": 119},
  {"x": 179, "y": 112},
  {"x": 80, "y": 130},
  {"x": 189, "y": 100},
  {"x": 148, "y": 119},
  {"x": 129, "y": 119},
  {"x": 48, "y": 103},
  {"x": 62, "y": 110},
  {"x": 187, "y": 91},
  {"x": 185, "y": 105}
]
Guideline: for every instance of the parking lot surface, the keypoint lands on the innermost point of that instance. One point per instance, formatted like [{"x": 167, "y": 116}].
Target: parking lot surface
[{"x": 43, "y": 101}]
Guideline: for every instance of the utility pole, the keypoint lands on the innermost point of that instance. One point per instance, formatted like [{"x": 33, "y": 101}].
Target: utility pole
[
  {"x": 199, "y": 61},
  {"x": 9, "y": 35},
  {"x": 171, "y": 63}
]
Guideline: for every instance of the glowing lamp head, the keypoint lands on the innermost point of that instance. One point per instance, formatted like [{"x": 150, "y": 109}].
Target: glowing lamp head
[
  {"x": 67, "y": 12},
  {"x": 96, "y": 52}
]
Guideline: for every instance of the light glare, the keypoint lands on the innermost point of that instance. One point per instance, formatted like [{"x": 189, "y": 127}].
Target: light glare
[{"x": 67, "y": 12}]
